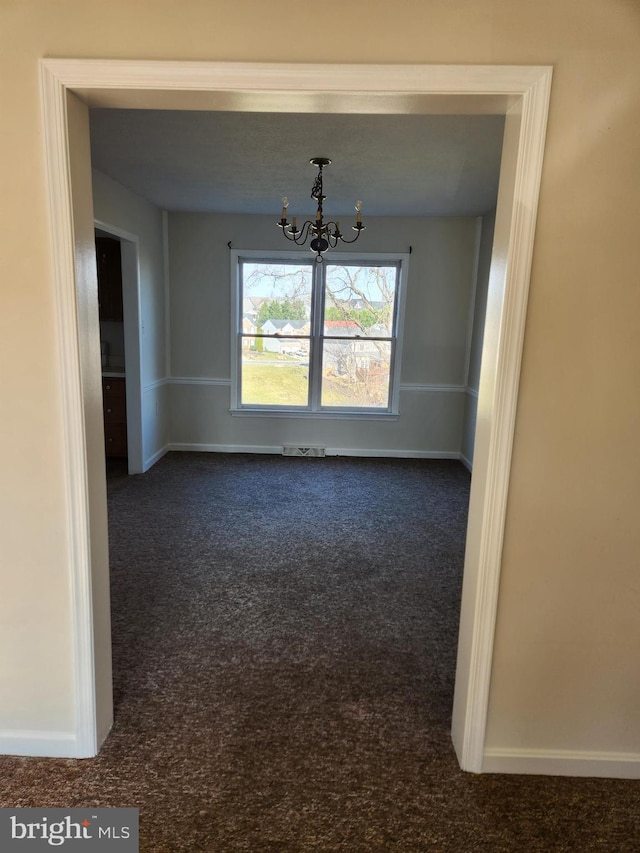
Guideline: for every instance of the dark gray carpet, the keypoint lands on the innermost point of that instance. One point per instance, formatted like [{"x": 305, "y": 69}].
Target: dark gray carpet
[{"x": 284, "y": 636}]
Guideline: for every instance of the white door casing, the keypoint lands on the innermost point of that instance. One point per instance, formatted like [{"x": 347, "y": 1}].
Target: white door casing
[{"x": 521, "y": 93}]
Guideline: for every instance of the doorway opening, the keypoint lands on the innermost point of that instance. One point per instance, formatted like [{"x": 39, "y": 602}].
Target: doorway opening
[{"x": 522, "y": 95}]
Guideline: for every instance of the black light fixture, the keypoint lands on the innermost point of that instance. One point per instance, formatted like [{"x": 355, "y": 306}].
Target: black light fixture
[{"x": 324, "y": 234}]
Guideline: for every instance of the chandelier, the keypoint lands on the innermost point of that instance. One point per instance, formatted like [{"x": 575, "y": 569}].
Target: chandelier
[{"x": 323, "y": 234}]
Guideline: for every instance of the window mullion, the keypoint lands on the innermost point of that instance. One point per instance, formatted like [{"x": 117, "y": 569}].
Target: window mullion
[{"x": 315, "y": 360}]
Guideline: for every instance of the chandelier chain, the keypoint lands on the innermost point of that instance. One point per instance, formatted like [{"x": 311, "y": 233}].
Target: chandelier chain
[{"x": 316, "y": 191}]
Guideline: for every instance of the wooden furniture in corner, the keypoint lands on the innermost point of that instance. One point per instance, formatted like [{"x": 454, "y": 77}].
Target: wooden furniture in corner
[{"x": 115, "y": 416}]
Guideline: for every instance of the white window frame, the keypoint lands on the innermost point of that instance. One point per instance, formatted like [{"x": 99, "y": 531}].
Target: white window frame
[{"x": 314, "y": 409}]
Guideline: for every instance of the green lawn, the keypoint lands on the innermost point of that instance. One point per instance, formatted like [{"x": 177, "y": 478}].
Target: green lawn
[
  {"x": 287, "y": 385},
  {"x": 269, "y": 384}
]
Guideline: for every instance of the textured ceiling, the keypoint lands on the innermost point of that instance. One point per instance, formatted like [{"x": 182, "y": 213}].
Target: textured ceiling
[{"x": 238, "y": 162}]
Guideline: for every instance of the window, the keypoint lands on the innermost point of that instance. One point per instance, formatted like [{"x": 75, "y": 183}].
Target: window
[{"x": 317, "y": 337}]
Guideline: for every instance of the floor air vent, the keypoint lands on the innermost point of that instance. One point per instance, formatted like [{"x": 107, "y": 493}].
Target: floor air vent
[{"x": 302, "y": 451}]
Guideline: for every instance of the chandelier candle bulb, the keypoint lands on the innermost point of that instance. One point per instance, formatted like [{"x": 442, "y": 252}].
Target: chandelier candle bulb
[
  {"x": 285, "y": 205},
  {"x": 358, "y": 212}
]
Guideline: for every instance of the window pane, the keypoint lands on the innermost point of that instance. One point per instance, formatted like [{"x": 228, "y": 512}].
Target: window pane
[
  {"x": 356, "y": 373},
  {"x": 279, "y": 293},
  {"x": 359, "y": 301},
  {"x": 275, "y": 372}
]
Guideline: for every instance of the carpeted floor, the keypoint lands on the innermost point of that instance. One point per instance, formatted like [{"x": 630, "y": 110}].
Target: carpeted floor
[{"x": 284, "y": 636}]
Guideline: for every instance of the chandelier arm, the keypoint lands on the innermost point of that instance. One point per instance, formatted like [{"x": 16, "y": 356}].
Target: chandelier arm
[
  {"x": 301, "y": 234},
  {"x": 359, "y": 230},
  {"x": 305, "y": 231},
  {"x": 332, "y": 239}
]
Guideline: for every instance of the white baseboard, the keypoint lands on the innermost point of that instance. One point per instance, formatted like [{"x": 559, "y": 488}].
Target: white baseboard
[
  {"x": 226, "y": 448},
  {"x": 329, "y": 451},
  {"x": 468, "y": 464},
  {"x": 561, "y": 762},
  {"x": 392, "y": 454},
  {"x": 39, "y": 744},
  {"x": 148, "y": 463}
]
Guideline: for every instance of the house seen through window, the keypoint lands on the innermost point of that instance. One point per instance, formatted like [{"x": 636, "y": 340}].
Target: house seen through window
[{"x": 317, "y": 337}]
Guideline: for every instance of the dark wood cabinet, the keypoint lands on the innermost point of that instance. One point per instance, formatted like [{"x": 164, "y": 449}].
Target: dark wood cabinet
[
  {"x": 109, "y": 263},
  {"x": 114, "y": 396}
]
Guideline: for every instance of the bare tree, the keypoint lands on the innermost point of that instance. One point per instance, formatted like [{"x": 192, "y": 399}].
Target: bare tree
[
  {"x": 287, "y": 281},
  {"x": 346, "y": 284}
]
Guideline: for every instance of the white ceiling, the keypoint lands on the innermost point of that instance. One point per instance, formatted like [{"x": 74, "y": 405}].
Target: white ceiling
[{"x": 240, "y": 162}]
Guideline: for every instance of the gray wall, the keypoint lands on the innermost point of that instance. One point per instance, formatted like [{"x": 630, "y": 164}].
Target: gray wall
[
  {"x": 190, "y": 408},
  {"x": 435, "y": 346}
]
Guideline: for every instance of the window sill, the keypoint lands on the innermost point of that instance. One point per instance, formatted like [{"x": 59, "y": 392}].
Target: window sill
[{"x": 306, "y": 415}]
